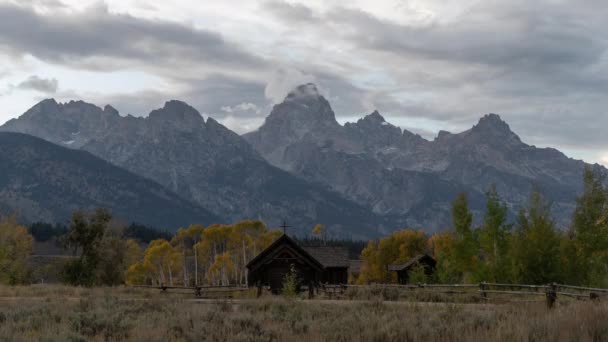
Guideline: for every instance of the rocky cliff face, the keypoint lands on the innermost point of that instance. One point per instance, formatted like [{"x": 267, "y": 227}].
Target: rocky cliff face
[
  {"x": 392, "y": 171},
  {"x": 201, "y": 161},
  {"x": 44, "y": 182},
  {"x": 361, "y": 179}
]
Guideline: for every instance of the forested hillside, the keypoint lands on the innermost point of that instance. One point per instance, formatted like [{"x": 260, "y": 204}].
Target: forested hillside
[{"x": 40, "y": 181}]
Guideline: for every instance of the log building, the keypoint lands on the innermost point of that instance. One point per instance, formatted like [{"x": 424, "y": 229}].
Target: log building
[
  {"x": 313, "y": 265},
  {"x": 403, "y": 270}
]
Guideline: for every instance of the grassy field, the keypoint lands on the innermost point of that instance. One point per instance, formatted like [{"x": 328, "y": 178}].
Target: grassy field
[{"x": 61, "y": 313}]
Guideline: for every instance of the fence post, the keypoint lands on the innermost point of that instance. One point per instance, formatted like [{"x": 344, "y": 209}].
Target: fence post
[
  {"x": 482, "y": 288},
  {"x": 551, "y": 294},
  {"x": 259, "y": 285},
  {"x": 311, "y": 290}
]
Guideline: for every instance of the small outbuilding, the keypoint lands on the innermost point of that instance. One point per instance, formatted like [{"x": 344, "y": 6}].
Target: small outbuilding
[
  {"x": 314, "y": 265},
  {"x": 403, "y": 270}
]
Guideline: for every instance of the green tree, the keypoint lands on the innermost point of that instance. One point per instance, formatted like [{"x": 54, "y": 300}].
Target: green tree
[
  {"x": 290, "y": 283},
  {"x": 117, "y": 254},
  {"x": 465, "y": 247},
  {"x": 16, "y": 245},
  {"x": 536, "y": 244},
  {"x": 590, "y": 232},
  {"x": 493, "y": 239},
  {"x": 417, "y": 275},
  {"x": 442, "y": 247},
  {"x": 85, "y": 238}
]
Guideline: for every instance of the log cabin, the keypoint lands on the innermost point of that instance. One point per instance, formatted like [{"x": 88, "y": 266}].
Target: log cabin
[
  {"x": 313, "y": 265},
  {"x": 404, "y": 269}
]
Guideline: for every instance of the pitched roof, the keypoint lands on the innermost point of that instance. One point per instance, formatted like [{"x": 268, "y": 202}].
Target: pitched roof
[
  {"x": 275, "y": 247},
  {"x": 329, "y": 256},
  {"x": 410, "y": 263}
]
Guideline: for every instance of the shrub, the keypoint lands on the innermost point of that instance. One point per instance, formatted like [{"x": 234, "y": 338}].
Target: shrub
[{"x": 290, "y": 283}]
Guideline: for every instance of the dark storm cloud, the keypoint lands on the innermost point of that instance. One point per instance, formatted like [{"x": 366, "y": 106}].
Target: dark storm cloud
[
  {"x": 239, "y": 105},
  {"x": 42, "y": 85},
  {"x": 542, "y": 65},
  {"x": 208, "y": 95},
  {"x": 521, "y": 40},
  {"x": 98, "y": 39}
]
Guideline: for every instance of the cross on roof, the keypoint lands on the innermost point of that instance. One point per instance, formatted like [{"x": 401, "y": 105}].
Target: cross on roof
[{"x": 285, "y": 226}]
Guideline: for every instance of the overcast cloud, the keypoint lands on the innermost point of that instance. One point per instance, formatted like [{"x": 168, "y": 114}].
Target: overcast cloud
[
  {"x": 425, "y": 65},
  {"x": 42, "y": 85}
]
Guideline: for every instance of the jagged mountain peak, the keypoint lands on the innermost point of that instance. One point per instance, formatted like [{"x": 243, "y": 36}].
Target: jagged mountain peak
[
  {"x": 374, "y": 117},
  {"x": 43, "y": 107},
  {"x": 443, "y": 134},
  {"x": 177, "y": 112},
  {"x": 304, "y": 91},
  {"x": 110, "y": 110},
  {"x": 48, "y": 102},
  {"x": 492, "y": 125},
  {"x": 302, "y": 109},
  {"x": 492, "y": 121},
  {"x": 375, "y": 127}
]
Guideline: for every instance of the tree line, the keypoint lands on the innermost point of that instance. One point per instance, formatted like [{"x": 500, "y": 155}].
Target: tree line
[
  {"x": 106, "y": 252},
  {"x": 530, "y": 250}
]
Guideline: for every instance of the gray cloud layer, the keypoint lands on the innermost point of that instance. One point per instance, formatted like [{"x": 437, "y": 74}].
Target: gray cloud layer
[
  {"x": 97, "y": 39},
  {"x": 542, "y": 65},
  {"x": 43, "y": 85}
]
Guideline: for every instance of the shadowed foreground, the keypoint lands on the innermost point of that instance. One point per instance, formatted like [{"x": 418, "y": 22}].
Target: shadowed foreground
[{"x": 56, "y": 313}]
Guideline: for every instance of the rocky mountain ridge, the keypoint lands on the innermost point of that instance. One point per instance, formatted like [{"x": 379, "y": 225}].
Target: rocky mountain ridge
[
  {"x": 370, "y": 159},
  {"x": 362, "y": 178},
  {"x": 41, "y": 181},
  {"x": 201, "y": 161}
]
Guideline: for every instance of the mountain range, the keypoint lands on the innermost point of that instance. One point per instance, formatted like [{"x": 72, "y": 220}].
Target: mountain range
[
  {"x": 394, "y": 171},
  {"x": 360, "y": 179},
  {"x": 201, "y": 161},
  {"x": 44, "y": 182}
]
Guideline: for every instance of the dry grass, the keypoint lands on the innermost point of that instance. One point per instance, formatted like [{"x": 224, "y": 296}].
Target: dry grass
[{"x": 60, "y": 313}]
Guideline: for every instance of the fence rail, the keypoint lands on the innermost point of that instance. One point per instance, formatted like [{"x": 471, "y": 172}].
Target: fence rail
[
  {"x": 199, "y": 291},
  {"x": 551, "y": 292},
  {"x": 483, "y": 290}
]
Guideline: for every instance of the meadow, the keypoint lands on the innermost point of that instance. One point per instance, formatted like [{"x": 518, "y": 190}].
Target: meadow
[{"x": 64, "y": 313}]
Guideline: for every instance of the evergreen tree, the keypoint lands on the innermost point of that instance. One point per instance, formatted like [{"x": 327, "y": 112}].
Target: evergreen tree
[
  {"x": 442, "y": 247},
  {"x": 85, "y": 239},
  {"x": 465, "y": 249},
  {"x": 536, "y": 244},
  {"x": 590, "y": 232},
  {"x": 16, "y": 245},
  {"x": 493, "y": 239}
]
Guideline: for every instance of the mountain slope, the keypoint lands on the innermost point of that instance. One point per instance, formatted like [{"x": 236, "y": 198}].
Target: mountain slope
[
  {"x": 201, "y": 161},
  {"x": 45, "y": 182},
  {"x": 393, "y": 171}
]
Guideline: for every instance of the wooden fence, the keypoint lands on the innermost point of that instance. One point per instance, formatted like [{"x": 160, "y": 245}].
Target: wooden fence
[
  {"x": 483, "y": 291},
  {"x": 487, "y": 291},
  {"x": 199, "y": 291}
]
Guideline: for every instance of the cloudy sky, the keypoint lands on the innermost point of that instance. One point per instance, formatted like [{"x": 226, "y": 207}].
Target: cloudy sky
[{"x": 426, "y": 65}]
